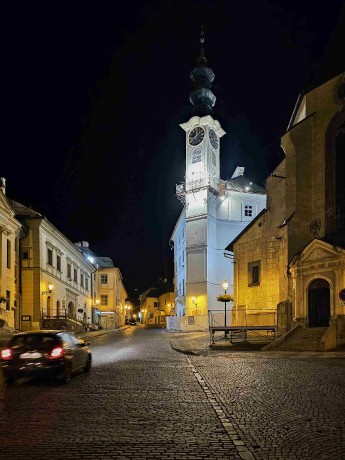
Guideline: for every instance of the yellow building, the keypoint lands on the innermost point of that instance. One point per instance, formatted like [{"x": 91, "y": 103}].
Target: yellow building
[
  {"x": 293, "y": 253},
  {"x": 10, "y": 234},
  {"x": 111, "y": 295},
  {"x": 157, "y": 302}
]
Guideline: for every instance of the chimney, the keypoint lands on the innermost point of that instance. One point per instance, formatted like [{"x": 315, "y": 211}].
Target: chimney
[{"x": 3, "y": 185}]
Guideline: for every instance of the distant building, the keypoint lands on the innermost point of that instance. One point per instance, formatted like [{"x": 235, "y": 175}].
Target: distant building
[
  {"x": 293, "y": 253},
  {"x": 157, "y": 303},
  {"x": 112, "y": 295},
  {"x": 214, "y": 211}
]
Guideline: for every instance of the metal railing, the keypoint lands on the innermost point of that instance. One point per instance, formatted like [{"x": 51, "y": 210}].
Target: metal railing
[{"x": 243, "y": 317}]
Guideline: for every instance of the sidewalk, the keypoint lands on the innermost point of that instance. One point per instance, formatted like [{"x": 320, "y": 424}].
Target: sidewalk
[
  {"x": 91, "y": 334},
  {"x": 195, "y": 343}
]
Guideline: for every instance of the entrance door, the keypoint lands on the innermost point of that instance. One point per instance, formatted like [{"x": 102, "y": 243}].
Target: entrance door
[{"x": 319, "y": 303}]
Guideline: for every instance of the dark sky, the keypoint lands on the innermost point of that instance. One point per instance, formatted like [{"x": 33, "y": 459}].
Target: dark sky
[{"x": 93, "y": 95}]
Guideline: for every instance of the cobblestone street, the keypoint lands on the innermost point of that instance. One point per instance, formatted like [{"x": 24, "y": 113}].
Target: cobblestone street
[{"x": 144, "y": 400}]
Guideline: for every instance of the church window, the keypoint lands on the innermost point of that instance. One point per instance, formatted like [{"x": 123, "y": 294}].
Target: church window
[
  {"x": 196, "y": 155},
  {"x": 254, "y": 273},
  {"x": 339, "y": 175},
  {"x": 214, "y": 160}
]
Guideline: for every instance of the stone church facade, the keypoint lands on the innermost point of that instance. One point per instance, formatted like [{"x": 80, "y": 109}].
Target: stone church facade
[{"x": 293, "y": 253}]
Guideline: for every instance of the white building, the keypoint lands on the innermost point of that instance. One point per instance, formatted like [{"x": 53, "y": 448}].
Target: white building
[{"x": 215, "y": 211}]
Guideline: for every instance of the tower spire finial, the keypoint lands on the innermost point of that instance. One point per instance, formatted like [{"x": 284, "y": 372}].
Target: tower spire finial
[{"x": 202, "y": 61}]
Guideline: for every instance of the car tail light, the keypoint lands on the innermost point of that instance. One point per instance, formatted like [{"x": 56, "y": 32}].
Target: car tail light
[
  {"x": 6, "y": 354},
  {"x": 56, "y": 352}
]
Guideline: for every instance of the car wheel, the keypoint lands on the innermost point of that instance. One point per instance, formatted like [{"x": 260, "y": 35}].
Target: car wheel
[
  {"x": 65, "y": 375},
  {"x": 87, "y": 366}
]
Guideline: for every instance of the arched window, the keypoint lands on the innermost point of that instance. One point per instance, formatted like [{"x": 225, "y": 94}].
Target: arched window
[{"x": 339, "y": 177}]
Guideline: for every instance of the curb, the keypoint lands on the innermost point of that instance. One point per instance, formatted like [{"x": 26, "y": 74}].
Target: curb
[{"x": 185, "y": 351}]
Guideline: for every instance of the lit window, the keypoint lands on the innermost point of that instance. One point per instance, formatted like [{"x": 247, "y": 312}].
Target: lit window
[{"x": 196, "y": 155}]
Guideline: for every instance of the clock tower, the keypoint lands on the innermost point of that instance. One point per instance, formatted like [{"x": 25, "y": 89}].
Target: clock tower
[{"x": 215, "y": 211}]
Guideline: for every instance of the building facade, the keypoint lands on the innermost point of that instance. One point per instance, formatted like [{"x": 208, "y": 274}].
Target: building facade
[
  {"x": 214, "y": 210},
  {"x": 111, "y": 295},
  {"x": 56, "y": 278},
  {"x": 297, "y": 244},
  {"x": 10, "y": 234}
]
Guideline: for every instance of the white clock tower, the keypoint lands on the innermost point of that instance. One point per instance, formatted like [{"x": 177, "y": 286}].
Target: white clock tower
[{"x": 214, "y": 212}]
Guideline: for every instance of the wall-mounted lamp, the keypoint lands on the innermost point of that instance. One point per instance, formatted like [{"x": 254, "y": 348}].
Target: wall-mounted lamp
[
  {"x": 50, "y": 289},
  {"x": 194, "y": 302}
]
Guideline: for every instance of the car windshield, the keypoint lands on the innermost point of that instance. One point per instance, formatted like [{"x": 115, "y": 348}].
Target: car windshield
[{"x": 40, "y": 342}]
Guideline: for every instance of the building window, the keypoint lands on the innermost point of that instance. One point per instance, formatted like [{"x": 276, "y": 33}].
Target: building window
[
  {"x": 50, "y": 256},
  {"x": 104, "y": 300},
  {"x": 8, "y": 300},
  {"x": 214, "y": 160},
  {"x": 8, "y": 254},
  {"x": 155, "y": 304},
  {"x": 196, "y": 155},
  {"x": 254, "y": 273},
  {"x": 104, "y": 279},
  {"x": 81, "y": 280},
  {"x": 58, "y": 262},
  {"x": 86, "y": 283},
  {"x": 75, "y": 275},
  {"x": 248, "y": 211},
  {"x": 25, "y": 255},
  {"x": 69, "y": 271}
]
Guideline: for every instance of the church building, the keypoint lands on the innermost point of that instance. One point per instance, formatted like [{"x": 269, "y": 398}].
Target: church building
[
  {"x": 214, "y": 211},
  {"x": 298, "y": 242}
]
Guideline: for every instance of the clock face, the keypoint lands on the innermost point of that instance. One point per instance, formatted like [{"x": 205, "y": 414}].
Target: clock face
[
  {"x": 196, "y": 136},
  {"x": 213, "y": 138}
]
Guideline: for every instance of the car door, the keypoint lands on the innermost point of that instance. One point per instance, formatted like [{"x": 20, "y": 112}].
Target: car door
[{"x": 80, "y": 354}]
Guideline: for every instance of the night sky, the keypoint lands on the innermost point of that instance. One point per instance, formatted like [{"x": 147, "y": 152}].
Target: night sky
[{"x": 93, "y": 95}]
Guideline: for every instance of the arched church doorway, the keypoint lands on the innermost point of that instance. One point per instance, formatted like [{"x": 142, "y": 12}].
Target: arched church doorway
[{"x": 319, "y": 303}]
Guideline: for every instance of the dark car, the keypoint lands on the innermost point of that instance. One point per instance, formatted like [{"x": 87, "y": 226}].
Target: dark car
[
  {"x": 132, "y": 322},
  {"x": 44, "y": 354}
]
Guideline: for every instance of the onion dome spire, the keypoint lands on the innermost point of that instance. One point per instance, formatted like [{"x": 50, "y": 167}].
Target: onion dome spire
[{"x": 202, "y": 76}]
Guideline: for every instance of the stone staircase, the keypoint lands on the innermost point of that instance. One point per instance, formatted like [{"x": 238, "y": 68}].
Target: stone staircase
[{"x": 304, "y": 339}]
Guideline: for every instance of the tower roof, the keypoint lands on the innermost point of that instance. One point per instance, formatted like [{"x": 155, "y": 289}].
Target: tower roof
[{"x": 202, "y": 76}]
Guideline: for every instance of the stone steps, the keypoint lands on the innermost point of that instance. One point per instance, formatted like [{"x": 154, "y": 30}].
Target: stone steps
[{"x": 304, "y": 339}]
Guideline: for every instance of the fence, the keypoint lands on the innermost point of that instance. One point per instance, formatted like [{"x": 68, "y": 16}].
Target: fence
[{"x": 243, "y": 317}]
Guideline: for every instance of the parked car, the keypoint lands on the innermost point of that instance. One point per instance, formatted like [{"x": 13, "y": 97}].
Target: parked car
[
  {"x": 132, "y": 322},
  {"x": 43, "y": 354}
]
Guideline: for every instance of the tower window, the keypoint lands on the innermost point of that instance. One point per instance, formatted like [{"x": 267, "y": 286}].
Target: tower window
[
  {"x": 248, "y": 211},
  {"x": 214, "y": 159},
  {"x": 196, "y": 155}
]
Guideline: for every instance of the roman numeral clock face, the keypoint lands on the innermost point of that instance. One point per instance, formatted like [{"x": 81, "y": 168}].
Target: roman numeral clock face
[{"x": 196, "y": 136}]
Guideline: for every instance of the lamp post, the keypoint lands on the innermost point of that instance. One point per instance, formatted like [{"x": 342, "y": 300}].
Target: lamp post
[{"x": 225, "y": 287}]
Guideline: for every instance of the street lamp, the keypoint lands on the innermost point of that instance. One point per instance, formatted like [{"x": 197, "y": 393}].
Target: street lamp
[{"x": 225, "y": 287}]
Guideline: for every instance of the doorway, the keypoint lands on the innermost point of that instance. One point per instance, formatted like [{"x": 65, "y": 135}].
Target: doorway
[{"x": 319, "y": 303}]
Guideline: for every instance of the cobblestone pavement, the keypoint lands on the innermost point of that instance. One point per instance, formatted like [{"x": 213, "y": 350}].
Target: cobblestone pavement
[
  {"x": 281, "y": 405},
  {"x": 142, "y": 400}
]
